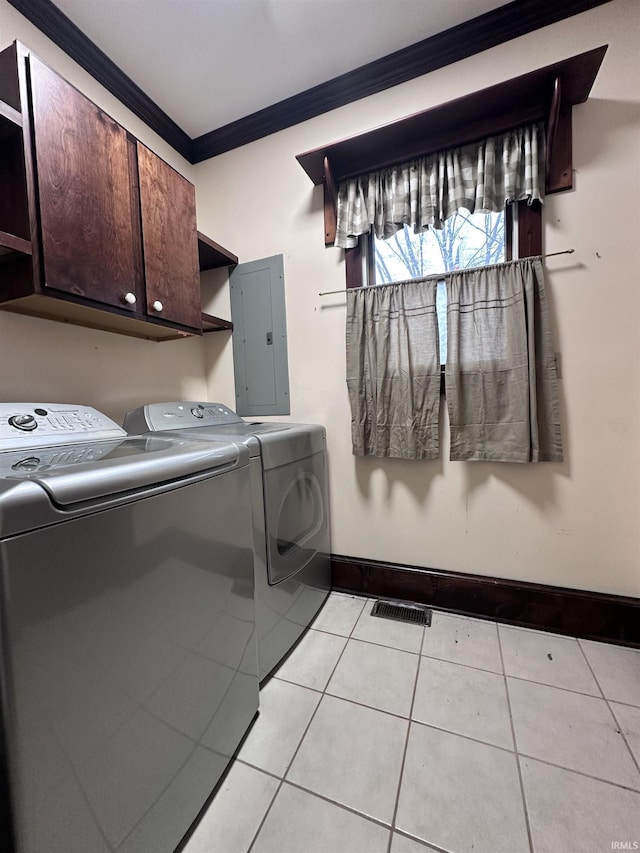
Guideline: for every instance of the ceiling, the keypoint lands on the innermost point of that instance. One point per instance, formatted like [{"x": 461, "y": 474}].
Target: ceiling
[
  {"x": 207, "y": 63},
  {"x": 211, "y": 75}
]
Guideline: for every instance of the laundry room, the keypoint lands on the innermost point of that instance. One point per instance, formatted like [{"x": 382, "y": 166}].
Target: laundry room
[{"x": 497, "y": 708}]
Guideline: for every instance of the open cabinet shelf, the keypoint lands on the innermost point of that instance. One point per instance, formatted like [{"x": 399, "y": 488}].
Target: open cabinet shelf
[
  {"x": 8, "y": 118},
  {"x": 12, "y": 245},
  {"x": 214, "y": 256},
  {"x": 10, "y": 151},
  {"x": 215, "y": 324}
]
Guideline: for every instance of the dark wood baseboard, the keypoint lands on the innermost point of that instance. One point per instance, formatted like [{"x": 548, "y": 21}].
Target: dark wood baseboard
[{"x": 574, "y": 612}]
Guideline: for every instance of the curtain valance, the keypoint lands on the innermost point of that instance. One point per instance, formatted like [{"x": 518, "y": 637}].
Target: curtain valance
[{"x": 482, "y": 176}]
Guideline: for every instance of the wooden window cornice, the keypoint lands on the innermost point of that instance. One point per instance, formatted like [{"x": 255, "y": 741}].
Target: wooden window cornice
[{"x": 547, "y": 94}]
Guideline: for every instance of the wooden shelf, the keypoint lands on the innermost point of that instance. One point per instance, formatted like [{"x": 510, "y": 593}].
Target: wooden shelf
[
  {"x": 490, "y": 111},
  {"x": 12, "y": 245},
  {"x": 215, "y": 324},
  {"x": 9, "y": 116},
  {"x": 212, "y": 255},
  {"x": 10, "y": 121}
]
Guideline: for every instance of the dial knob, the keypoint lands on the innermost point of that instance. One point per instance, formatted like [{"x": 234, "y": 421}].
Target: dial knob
[
  {"x": 197, "y": 412},
  {"x": 23, "y": 422},
  {"x": 130, "y": 298},
  {"x": 157, "y": 305}
]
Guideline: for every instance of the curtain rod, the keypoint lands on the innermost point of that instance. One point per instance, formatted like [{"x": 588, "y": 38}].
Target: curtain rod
[{"x": 441, "y": 275}]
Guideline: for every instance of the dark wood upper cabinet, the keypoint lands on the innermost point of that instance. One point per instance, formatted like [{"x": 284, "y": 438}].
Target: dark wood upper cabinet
[
  {"x": 95, "y": 229},
  {"x": 87, "y": 213},
  {"x": 170, "y": 241}
]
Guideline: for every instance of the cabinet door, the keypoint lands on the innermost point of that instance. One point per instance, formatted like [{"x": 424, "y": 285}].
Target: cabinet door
[
  {"x": 88, "y": 210},
  {"x": 170, "y": 242}
]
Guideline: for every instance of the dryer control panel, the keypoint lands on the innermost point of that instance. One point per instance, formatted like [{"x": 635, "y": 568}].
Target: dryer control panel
[
  {"x": 42, "y": 424},
  {"x": 155, "y": 417}
]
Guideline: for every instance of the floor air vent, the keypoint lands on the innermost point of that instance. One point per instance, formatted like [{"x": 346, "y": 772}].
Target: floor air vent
[{"x": 416, "y": 614}]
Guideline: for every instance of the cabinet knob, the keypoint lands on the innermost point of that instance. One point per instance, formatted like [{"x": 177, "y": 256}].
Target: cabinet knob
[
  {"x": 157, "y": 305},
  {"x": 130, "y": 298}
]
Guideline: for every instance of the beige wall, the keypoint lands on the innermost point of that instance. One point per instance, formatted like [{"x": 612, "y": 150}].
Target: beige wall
[
  {"x": 574, "y": 524},
  {"x": 52, "y": 362}
]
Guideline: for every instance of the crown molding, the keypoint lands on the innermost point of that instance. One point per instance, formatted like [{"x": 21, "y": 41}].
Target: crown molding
[{"x": 493, "y": 28}]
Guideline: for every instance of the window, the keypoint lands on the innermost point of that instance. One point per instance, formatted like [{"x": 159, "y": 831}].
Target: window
[{"x": 466, "y": 240}]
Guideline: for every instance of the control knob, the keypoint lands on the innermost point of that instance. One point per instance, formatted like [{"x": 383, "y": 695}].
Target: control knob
[{"x": 26, "y": 423}]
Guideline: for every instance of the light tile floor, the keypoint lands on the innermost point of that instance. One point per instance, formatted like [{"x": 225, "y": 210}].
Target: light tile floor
[{"x": 467, "y": 737}]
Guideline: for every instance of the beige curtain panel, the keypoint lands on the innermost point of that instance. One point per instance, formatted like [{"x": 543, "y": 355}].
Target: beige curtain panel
[
  {"x": 393, "y": 370},
  {"x": 500, "y": 375},
  {"x": 481, "y": 177}
]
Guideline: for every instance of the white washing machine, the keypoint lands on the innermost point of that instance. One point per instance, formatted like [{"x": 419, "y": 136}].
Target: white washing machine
[
  {"x": 290, "y": 512},
  {"x": 128, "y": 669}
]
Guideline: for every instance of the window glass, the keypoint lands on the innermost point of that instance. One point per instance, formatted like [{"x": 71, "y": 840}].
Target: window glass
[{"x": 466, "y": 240}]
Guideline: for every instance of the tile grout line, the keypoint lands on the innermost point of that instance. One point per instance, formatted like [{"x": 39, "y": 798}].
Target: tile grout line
[
  {"x": 402, "y": 833},
  {"x": 611, "y": 711},
  {"x": 624, "y": 737},
  {"x": 375, "y": 820},
  {"x": 304, "y": 734},
  {"x": 457, "y": 663},
  {"x": 626, "y": 704},
  {"x": 260, "y": 769},
  {"x": 506, "y": 749},
  {"x": 515, "y": 746},
  {"x": 368, "y": 642},
  {"x": 580, "y": 773},
  {"x": 554, "y": 686},
  {"x": 406, "y": 744}
]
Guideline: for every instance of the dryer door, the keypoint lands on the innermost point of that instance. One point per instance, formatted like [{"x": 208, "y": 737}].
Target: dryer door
[{"x": 296, "y": 514}]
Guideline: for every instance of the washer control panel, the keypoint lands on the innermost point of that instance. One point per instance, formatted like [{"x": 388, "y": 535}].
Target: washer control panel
[
  {"x": 156, "y": 417},
  {"x": 44, "y": 424}
]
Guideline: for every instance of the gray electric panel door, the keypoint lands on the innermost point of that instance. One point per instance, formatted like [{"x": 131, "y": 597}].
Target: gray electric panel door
[{"x": 260, "y": 359}]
